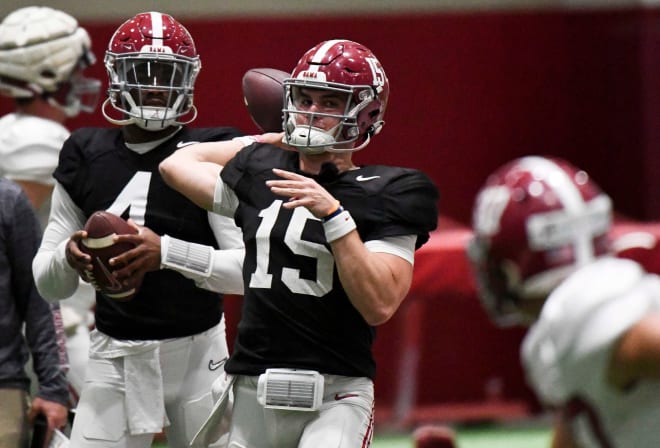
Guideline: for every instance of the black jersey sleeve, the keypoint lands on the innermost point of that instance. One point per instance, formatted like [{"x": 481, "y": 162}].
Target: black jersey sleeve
[
  {"x": 410, "y": 200},
  {"x": 71, "y": 168},
  {"x": 254, "y": 163},
  {"x": 231, "y": 174}
]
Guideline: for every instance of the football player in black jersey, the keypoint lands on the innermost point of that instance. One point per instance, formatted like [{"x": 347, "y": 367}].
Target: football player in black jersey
[
  {"x": 329, "y": 251},
  {"x": 153, "y": 359}
]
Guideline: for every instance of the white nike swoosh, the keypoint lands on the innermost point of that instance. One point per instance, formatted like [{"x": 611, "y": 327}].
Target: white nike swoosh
[
  {"x": 182, "y": 144},
  {"x": 361, "y": 178}
]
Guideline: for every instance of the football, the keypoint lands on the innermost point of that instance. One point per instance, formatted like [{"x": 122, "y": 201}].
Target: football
[
  {"x": 101, "y": 227},
  {"x": 434, "y": 436},
  {"x": 263, "y": 94}
]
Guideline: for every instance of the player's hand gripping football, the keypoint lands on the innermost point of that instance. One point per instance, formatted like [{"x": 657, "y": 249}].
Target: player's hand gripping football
[
  {"x": 76, "y": 258},
  {"x": 136, "y": 262}
]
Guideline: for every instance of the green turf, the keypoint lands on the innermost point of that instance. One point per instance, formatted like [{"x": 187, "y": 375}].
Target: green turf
[
  {"x": 503, "y": 437},
  {"x": 484, "y": 436},
  {"x": 487, "y": 436}
]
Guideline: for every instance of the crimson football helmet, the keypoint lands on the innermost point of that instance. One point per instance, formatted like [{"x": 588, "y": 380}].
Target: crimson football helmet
[
  {"x": 344, "y": 68},
  {"x": 152, "y": 64},
  {"x": 535, "y": 221}
]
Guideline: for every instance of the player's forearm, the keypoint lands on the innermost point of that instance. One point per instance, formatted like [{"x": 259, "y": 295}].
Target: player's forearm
[
  {"x": 182, "y": 160},
  {"x": 54, "y": 278},
  {"x": 215, "y": 270},
  {"x": 376, "y": 283},
  {"x": 193, "y": 178},
  {"x": 227, "y": 272}
]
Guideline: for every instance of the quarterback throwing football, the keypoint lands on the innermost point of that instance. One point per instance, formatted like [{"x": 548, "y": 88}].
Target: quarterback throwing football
[{"x": 329, "y": 251}]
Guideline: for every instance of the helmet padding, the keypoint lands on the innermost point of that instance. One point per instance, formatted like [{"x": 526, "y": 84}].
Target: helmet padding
[{"x": 39, "y": 48}]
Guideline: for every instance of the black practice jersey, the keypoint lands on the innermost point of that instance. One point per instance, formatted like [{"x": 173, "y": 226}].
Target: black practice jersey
[
  {"x": 295, "y": 312},
  {"x": 99, "y": 173}
]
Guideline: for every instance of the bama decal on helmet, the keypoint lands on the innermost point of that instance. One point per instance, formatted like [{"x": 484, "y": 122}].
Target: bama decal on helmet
[{"x": 312, "y": 76}]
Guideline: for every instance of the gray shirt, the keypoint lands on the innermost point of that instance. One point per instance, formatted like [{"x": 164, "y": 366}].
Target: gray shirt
[{"x": 21, "y": 304}]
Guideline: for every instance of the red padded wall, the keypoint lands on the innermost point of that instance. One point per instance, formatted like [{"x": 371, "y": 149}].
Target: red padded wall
[{"x": 470, "y": 90}]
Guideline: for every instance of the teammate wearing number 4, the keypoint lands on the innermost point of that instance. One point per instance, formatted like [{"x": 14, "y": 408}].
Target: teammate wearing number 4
[
  {"x": 154, "y": 358},
  {"x": 329, "y": 251}
]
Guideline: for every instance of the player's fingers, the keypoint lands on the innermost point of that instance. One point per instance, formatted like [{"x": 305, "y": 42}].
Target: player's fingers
[
  {"x": 135, "y": 239},
  {"x": 125, "y": 258},
  {"x": 274, "y": 138},
  {"x": 78, "y": 235},
  {"x": 282, "y": 191},
  {"x": 288, "y": 174},
  {"x": 133, "y": 225},
  {"x": 78, "y": 260}
]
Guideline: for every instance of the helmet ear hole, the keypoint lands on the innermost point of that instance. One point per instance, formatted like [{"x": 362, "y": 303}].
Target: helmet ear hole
[{"x": 48, "y": 74}]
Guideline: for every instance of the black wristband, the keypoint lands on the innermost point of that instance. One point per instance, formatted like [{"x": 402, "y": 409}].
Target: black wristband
[{"x": 333, "y": 214}]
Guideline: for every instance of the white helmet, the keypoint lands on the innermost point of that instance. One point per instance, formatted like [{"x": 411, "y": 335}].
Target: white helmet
[{"x": 42, "y": 52}]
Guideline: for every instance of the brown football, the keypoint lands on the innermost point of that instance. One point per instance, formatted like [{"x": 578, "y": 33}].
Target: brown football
[
  {"x": 263, "y": 93},
  {"x": 101, "y": 227}
]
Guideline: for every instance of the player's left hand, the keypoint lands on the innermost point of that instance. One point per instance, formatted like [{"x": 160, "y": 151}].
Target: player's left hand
[
  {"x": 143, "y": 258},
  {"x": 303, "y": 191},
  {"x": 275, "y": 139}
]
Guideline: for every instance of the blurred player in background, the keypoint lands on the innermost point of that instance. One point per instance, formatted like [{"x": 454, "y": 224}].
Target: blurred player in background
[
  {"x": 329, "y": 251},
  {"x": 43, "y": 53},
  {"x": 21, "y": 304},
  {"x": 542, "y": 256},
  {"x": 154, "y": 358}
]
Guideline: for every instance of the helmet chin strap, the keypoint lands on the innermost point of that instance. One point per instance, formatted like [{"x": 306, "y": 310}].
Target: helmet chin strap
[
  {"x": 136, "y": 115},
  {"x": 373, "y": 130},
  {"x": 118, "y": 122},
  {"x": 366, "y": 141}
]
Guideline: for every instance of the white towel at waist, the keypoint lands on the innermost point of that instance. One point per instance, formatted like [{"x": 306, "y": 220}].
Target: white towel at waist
[{"x": 143, "y": 379}]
